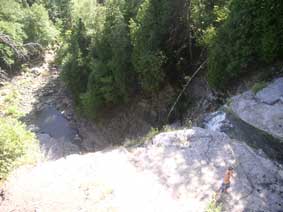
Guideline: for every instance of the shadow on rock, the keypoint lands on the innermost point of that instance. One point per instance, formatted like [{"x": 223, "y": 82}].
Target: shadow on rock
[{"x": 192, "y": 163}]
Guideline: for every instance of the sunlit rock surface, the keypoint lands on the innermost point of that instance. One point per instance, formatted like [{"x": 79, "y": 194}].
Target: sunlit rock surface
[
  {"x": 263, "y": 110},
  {"x": 177, "y": 171}
]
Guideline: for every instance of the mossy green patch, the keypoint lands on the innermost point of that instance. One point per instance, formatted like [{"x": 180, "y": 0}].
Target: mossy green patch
[{"x": 258, "y": 86}]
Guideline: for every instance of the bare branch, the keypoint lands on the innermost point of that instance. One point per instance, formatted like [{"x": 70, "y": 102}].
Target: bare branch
[{"x": 185, "y": 87}]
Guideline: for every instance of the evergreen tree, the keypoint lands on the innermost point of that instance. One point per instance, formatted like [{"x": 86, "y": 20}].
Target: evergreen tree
[
  {"x": 149, "y": 31},
  {"x": 60, "y": 11},
  {"x": 110, "y": 77},
  {"x": 77, "y": 67},
  {"x": 252, "y": 33}
]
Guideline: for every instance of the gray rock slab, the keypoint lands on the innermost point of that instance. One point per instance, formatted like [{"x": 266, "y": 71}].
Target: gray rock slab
[
  {"x": 45, "y": 142},
  {"x": 272, "y": 93},
  {"x": 179, "y": 171},
  {"x": 254, "y": 111},
  {"x": 53, "y": 149},
  {"x": 61, "y": 148}
]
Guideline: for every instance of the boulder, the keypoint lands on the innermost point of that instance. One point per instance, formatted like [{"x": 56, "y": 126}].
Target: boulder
[
  {"x": 45, "y": 142},
  {"x": 179, "y": 171},
  {"x": 263, "y": 110},
  {"x": 53, "y": 149},
  {"x": 191, "y": 163},
  {"x": 272, "y": 93},
  {"x": 61, "y": 148}
]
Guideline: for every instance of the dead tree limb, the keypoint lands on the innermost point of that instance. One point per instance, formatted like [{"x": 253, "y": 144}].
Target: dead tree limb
[
  {"x": 185, "y": 87},
  {"x": 6, "y": 40},
  {"x": 34, "y": 46}
]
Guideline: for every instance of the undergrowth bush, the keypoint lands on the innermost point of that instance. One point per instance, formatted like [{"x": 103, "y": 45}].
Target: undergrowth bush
[
  {"x": 18, "y": 146},
  {"x": 213, "y": 207},
  {"x": 14, "y": 140}
]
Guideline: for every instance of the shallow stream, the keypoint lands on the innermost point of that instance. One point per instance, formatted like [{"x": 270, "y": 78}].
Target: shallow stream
[{"x": 52, "y": 122}]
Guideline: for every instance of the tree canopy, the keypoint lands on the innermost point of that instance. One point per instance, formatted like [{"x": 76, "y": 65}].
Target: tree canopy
[{"x": 114, "y": 49}]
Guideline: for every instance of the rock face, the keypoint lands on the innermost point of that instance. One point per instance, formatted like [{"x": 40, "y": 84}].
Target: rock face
[
  {"x": 53, "y": 149},
  {"x": 272, "y": 93},
  {"x": 179, "y": 171},
  {"x": 263, "y": 110},
  {"x": 255, "y": 119}
]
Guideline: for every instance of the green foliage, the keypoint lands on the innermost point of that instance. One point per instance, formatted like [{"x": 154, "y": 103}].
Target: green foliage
[
  {"x": 38, "y": 27},
  {"x": 14, "y": 139},
  {"x": 23, "y": 21},
  {"x": 17, "y": 145},
  {"x": 6, "y": 57},
  {"x": 92, "y": 15},
  {"x": 208, "y": 35},
  {"x": 11, "y": 15},
  {"x": 252, "y": 32},
  {"x": 98, "y": 69},
  {"x": 120, "y": 55},
  {"x": 128, "y": 49},
  {"x": 60, "y": 12},
  {"x": 213, "y": 207},
  {"x": 258, "y": 86},
  {"x": 108, "y": 82},
  {"x": 149, "y": 31},
  {"x": 76, "y": 65},
  {"x": 206, "y": 16},
  {"x": 29, "y": 3},
  {"x": 139, "y": 44},
  {"x": 131, "y": 8}
]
